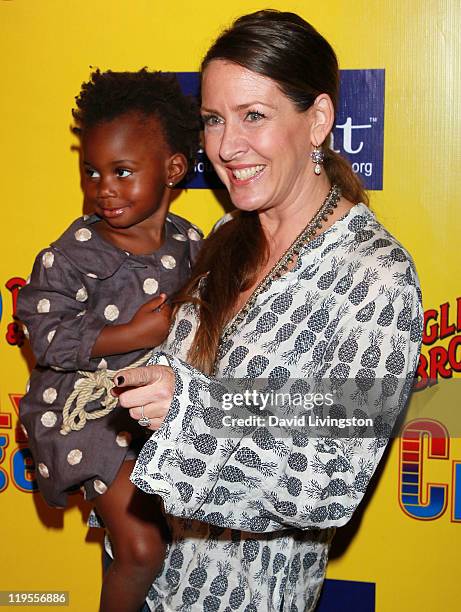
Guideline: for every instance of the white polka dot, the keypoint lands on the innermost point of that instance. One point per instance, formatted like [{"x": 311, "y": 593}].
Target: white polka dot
[
  {"x": 43, "y": 306},
  {"x": 28, "y": 280},
  {"x": 193, "y": 234},
  {"x": 91, "y": 275},
  {"x": 168, "y": 262},
  {"x": 102, "y": 365},
  {"x": 86, "y": 217},
  {"x": 24, "y": 430},
  {"x": 25, "y": 330},
  {"x": 49, "y": 395},
  {"x": 81, "y": 295},
  {"x": 83, "y": 490},
  {"x": 80, "y": 314},
  {"x": 28, "y": 386},
  {"x": 150, "y": 286},
  {"x": 43, "y": 470},
  {"x": 83, "y": 234},
  {"x": 179, "y": 237},
  {"x": 74, "y": 456},
  {"x": 123, "y": 438},
  {"x": 48, "y": 419},
  {"x": 51, "y": 335},
  {"x": 111, "y": 312},
  {"x": 48, "y": 259},
  {"x": 99, "y": 487}
]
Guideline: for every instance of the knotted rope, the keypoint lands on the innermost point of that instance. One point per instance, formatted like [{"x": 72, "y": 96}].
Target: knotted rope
[{"x": 92, "y": 386}]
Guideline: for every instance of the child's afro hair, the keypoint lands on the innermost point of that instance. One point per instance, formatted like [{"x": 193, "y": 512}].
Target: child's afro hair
[{"x": 108, "y": 95}]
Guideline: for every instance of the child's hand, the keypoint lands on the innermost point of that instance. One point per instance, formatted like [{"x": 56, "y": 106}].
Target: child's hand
[
  {"x": 148, "y": 328},
  {"x": 151, "y": 322}
]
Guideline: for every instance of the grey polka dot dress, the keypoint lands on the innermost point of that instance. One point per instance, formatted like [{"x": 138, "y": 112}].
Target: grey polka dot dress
[
  {"x": 252, "y": 515},
  {"x": 78, "y": 285}
]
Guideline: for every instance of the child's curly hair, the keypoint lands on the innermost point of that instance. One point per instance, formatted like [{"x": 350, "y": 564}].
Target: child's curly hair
[{"x": 108, "y": 95}]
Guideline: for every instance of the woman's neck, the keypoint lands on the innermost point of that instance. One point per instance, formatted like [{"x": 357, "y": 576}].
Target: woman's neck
[{"x": 282, "y": 223}]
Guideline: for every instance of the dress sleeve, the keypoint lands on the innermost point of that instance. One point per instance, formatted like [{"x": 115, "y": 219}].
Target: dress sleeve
[
  {"x": 53, "y": 309},
  {"x": 300, "y": 477}
]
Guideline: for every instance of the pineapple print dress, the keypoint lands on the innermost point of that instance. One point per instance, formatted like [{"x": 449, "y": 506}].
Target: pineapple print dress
[{"x": 252, "y": 513}]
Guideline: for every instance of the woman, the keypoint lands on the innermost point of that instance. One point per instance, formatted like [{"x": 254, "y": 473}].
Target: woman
[{"x": 301, "y": 287}]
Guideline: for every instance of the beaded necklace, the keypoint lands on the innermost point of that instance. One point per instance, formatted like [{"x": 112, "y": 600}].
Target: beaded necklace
[{"x": 282, "y": 265}]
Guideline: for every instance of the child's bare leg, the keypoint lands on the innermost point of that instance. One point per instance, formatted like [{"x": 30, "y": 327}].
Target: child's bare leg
[{"x": 138, "y": 534}]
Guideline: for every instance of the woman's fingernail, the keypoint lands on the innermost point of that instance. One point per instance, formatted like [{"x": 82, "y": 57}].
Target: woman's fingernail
[{"x": 119, "y": 380}]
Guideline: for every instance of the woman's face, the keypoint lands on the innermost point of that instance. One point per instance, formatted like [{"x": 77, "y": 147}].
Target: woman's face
[{"x": 256, "y": 139}]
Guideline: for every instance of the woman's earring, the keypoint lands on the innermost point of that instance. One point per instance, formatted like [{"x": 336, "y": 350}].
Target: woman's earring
[
  {"x": 317, "y": 156},
  {"x": 170, "y": 184}
]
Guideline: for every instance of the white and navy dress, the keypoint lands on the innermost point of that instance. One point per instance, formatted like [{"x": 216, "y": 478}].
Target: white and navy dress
[{"x": 252, "y": 513}]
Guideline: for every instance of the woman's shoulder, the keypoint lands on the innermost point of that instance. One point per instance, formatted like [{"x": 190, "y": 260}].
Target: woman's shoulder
[
  {"x": 368, "y": 242},
  {"x": 358, "y": 260}
]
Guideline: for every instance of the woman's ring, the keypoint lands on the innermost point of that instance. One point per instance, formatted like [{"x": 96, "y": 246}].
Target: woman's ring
[{"x": 143, "y": 421}]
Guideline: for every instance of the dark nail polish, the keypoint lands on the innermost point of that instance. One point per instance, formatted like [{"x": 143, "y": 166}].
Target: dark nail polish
[{"x": 119, "y": 380}]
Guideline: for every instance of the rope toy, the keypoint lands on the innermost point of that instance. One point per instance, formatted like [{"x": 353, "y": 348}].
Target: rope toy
[{"x": 92, "y": 386}]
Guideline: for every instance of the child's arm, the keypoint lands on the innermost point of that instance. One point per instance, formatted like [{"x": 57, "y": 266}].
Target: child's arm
[
  {"x": 64, "y": 334},
  {"x": 53, "y": 308},
  {"x": 148, "y": 328}
]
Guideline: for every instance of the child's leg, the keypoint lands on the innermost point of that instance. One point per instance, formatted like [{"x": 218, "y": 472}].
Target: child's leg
[{"x": 138, "y": 534}]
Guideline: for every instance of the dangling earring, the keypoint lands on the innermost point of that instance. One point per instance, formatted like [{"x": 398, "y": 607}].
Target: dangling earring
[{"x": 317, "y": 156}]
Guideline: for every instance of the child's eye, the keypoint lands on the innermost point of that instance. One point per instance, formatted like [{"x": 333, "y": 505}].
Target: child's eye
[
  {"x": 211, "y": 120},
  {"x": 254, "y": 116},
  {"x": 91, "y": 173},
  {"x": 123, "y": 172}
]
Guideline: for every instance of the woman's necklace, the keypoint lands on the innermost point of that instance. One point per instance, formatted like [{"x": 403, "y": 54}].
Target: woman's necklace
[{"x": 283, "y": 264}]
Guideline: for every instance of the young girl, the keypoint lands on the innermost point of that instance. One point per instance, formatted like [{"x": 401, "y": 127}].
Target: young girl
[{"x": 96, "y": 303}]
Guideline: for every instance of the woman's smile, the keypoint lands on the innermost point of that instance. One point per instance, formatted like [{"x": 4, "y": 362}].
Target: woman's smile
[{"x": 244, "y": 174}]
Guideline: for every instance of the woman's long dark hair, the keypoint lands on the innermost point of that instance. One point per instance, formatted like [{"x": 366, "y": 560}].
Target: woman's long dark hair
[{"x": 288, "y": 50}]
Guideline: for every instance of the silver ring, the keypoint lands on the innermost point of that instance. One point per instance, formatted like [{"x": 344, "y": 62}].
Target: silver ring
[{"x": 144, "y": 421}]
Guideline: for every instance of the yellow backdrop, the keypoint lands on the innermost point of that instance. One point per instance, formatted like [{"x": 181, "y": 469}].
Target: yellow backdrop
[{"x": 47, "y": 48}]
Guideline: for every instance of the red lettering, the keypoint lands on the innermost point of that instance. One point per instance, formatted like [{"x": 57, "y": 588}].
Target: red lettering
[
  {"x": 458, "y": 317},
  {"x": 5, "y": 420},
  {"x": 455, "y": 362},
  {"x": 438, "y": 357},
  {"x": 431, "y": 337},
  {"x": 421, "y": 376},
  {"x": 14, "y": 334},
  {"x": 445, "y": 328},
  {"x": 13, "y": 285}
]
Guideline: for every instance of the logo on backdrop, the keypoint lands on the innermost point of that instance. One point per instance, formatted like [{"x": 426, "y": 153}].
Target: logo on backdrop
[
  {"x": 441, "y": 361},
  {"x": 358, "y": 134},
  {"x": 14, "y": 331},
  {"x": 422, "y": 441}
]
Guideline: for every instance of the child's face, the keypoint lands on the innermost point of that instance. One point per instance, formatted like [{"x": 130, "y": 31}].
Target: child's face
[{"x": 125, "y": 169}]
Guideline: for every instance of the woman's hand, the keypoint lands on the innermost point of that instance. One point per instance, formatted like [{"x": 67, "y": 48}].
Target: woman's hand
[{"x": 150, "y": 387}]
